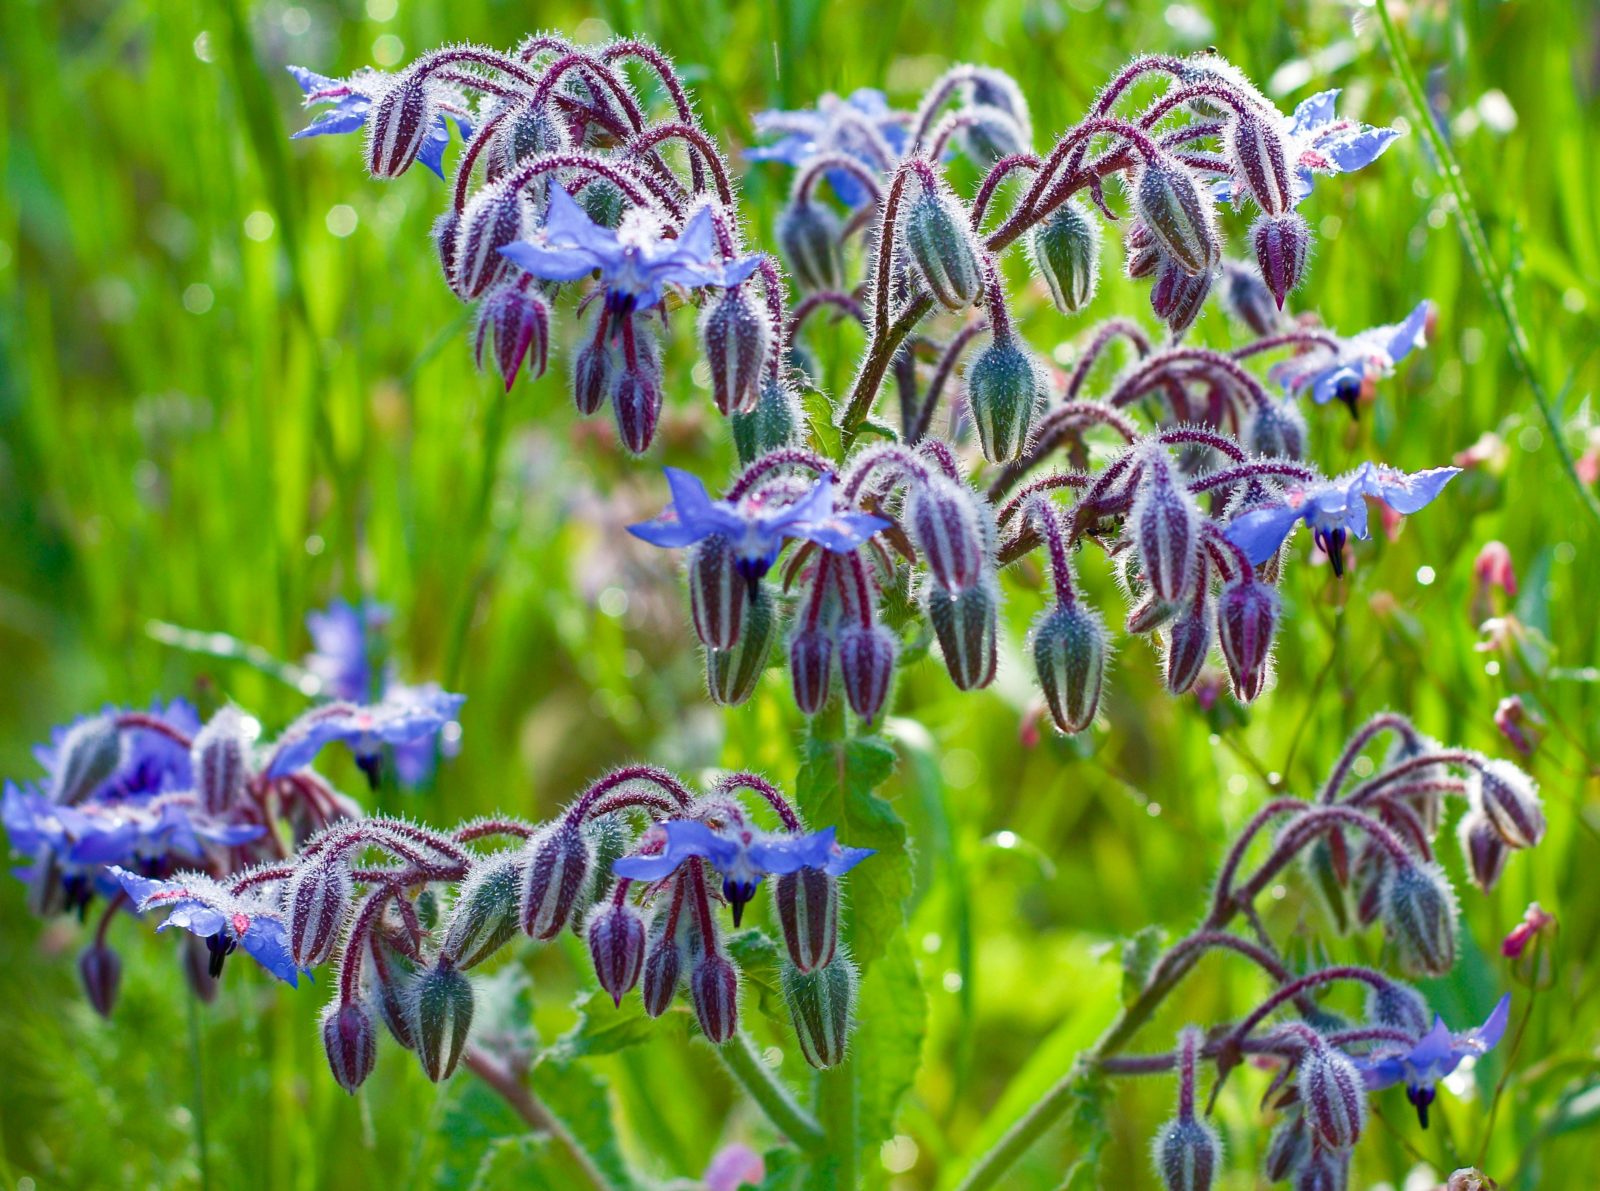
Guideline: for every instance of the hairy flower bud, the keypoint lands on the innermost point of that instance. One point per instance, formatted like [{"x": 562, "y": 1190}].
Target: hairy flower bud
[
  {"x": 492, "y": 220},
  {"x": 1005, "y": 389},
  {"x": 486, "y": 911},
  {"x": 1142, "y": 255},
  {"x": 1419, "y": 914},
  {"x": 737, "y": 335},
  {"x": 807, "y": 901},
  {"x": 1260, "y": 162},
  {"x": 592, "y": 372},
  {"x": 316, "y": 903},
  {"x": 1189, "y": 639},
  {"x": 1282, "y": 244},
  {"x": 1510, "y": 801},
  {"x": 810, "y": 236},
  {"x": 100, "y": 970},
  {"x": 1186, "y": 1154},
  {"x": 1070, "y": 650},
  {"x": 1332, "y": 1094},
  {"x": 636, "y": 405},
  {"x": 714, "y": 990},
  {"x": 663, "y": 967},
  {"x": 717, "y": 593},
  {"x": 1277, "y": 428},
  {"x": 351, "y": 1043},
  {"x": 557, "y": 865},
  {"x": 866, "y": 667},
  {"x": 776, "y": 420},
  {"x": 1178, "y": 296},
  {"x": 1288, "y": 1148},
  {"x": 87, "y": 756},
  {"x": 1246, "y": 297},
  {"x": 1398, "y": 1006},
  {"x": 1247, "y": 621},
  {"x": 732, "y": 674},
  {"x": 821, "y": 1003},
  {"x": 616, "y": 936},
  {"x": 1326, "y": 863},
  {"x": 1323, "y": 1170},
  {"x": 221, "y": 761},
  {"x": 520, "y": 322},
  {"x": 1484, "y": 849},
  {"x": 1065, "y": 249},
  {"x": 1169, "y": 201},
  {"x": 991, "y": 133},
  {"x": 391, "y": 976},
  {"x": 402, "y": 118},
  {"x": 943, "y": 519},
  {"x": 196, "y": 961},
  {"x": 941, "y": 247},
  {"x": 441, "y": 1013},
  {"x": 811, "y": 668},
  {"x": 446, "y": 234},
  {"x": 967, "y": 626},
  {"x": 1164, "y": 524}
]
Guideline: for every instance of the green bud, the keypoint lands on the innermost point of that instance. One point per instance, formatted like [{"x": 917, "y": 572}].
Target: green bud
[
  {"x": 441, "y": 1016},
  {"x": 1005, "y": 388},
  {"x": 485, "y": 915},
  {"x": 821, "y": 1002},
  {"x": 776, "y": 420},
  {"x": 1066, "y": 251},
  {"x": 941, "y": 246},
  {"x": 1070, "y": 651},
  {"x": 732, "y": 674}
]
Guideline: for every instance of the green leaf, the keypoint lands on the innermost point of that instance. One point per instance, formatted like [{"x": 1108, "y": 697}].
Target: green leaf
[
  {"x": 1088, "y": 1129},
  {"x": 1139, "y": 954},
  {"x": 581, "y": 1101},
  {"x": 602, "y": 1028},
  {"x": 819, "y": 416},
  {"x": 892, "y": 1018},
  {"x": 757, "y": 957}
]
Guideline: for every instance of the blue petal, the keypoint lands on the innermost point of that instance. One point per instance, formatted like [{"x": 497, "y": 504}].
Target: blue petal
[
  {"x": 568, "y": 223},
  {"x": 1348, "y": 150},
  {"x": 739, "y": 269},
  {"x": 432, "y": 152},
  {"x": 781, "y": 854},
  {"x": 1488, "y": 1035},
  {"x": 686, "y": 838},
  {"x": 1378, "y": 1074},
  {"x": 310, "y": 80},
  {"x": 845, "y": 859},
  {"x": 1434, "y": 1056},
  {"x": 267, "y": 942},
  {"x": 1313, "y": 112},
  {"x": 195, "y": 917},
  {"x": 842, "y": 532},
  {"x": 349, "y": 116},
  {"x": 668, "y": 532},
  {"x": 697, "y": 241},
  {"x": 1411, "y": 333},
  {"x": 141, "y": 889},
  {"x": 551, "y": 263},
  {"x": 790, "y": 150},
  {"x": 1260, "y": 532},
  {"x": 1325, "y": 385},
  {"x": 1408, "y": 493}
]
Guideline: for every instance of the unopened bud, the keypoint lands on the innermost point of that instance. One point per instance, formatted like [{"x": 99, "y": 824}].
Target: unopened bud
[
  {"x": 392, "y": 975},
  {"x": 592, "y": 372},
  {"x": 821, "y": 1003},
  {"x": 87, "y": 756},
  {"x": 316, "y": 903},
  {"x": 992, "y": 133},
  {"x": 1143, "y": 255},
  {"x": 718, "y": 593},
  {"x": 1178, "y": 296},
  {"x": 737, "y": 336},
  {"x": 1288, "y": 1148},
  {"x": 1246, "y": 297},
  {"x": 663, "y": 967},
  {"x": 941, "y": 247},
  {"x": 1070, "y": 651},
  {"x": 636, "y": 405},
  {"x": 1510, "y": 800},
  {"x": 616, "y": 935},
  {"x": 1189, "y": 639},
  {"x": 446, "y": 234},
  {"x": 1323, "y": 1170},
  {"x": 776, "y": 420},
  {"x": 1277, "y": 428},
  {"x": 1165, "y": 526},
  {"x": 807, "y": 901},
  {"x": 866, "y": 668},
  {"x": 520, "y": 323},
  {"x": 402, "y": 118},
  {"x": 714, "y": 990},
  {"x": 486, "y": 911},
  {"x": 1282, "y": 244},
  {"x": 100, "y": 969},
  {"x": 1328, "y": 869},
  {"x": 967, "y": 626},
  {"x": 1419, "y": 914},
  {"x": 1169, "y": 201},
  {"x": 943, "y": 519},
  {"x": 1186, "y": 1154},
  {"x": 1005, "y": 390},
  {"x": 732, "y": 674},
  {"x": 221, "y": 761},
  {"x": 351, "y": 1043},
  {"x": 809, "y": 235},
  {"x": 811, "y": 668},
  {"x": 493, "y": 220},
  {"x": 558, "y": 864},
  {"x": 1332, "y": 1095},
  {"x": 1531, "y": 948},
  {"x": 1260, "y": 163},
  {"x": 1483, "y": 848},
  {"x": 441, "y": 1017},
  {"x": 1398, "y": 1006},
  {"x": 602, "y": 201},
  {"x": 1247, "y": 621},
  {"x": 1065, "y": 248},
  {"x": 1517, "y": 725}
]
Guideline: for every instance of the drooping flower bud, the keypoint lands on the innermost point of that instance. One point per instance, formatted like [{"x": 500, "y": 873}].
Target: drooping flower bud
[
  {"x": 402, "y": 118},
  {"x": 1398, "y": 1006},
  {"x": 616, "y": 935},
  {"x": 1530, "y": 946},
  {"x": 1323, "y": 1170},
  {"x": 807, "y": 901},
  {"x": 1247, "y": 621},
  {"x": 486, "y": 911},
  {"x": 821, "y": 1003},
  {"x": 100, "y": 970},
  {"x": 1260, "y": 163},
  {"x": 220, "y": 759},
  {"x": 1164, "y": 524},
  {"x": 602, "y": 200},
  {"x": 1005, "y": 389},
  {"x": 592, "y": 373},
  {"x": 990, "y": 134},
  {"x": 732, "y": 674},
  {"x": 1245, "y": 296},
  {"x": 967, "y": 626},
  {"x": 492, "y": 220},
  {"x": 943, "y": 519},
  {"x": 1277, "y": 428},
  {"x": 520, "y": 322},
  {"x": 1484, "y": 849},
  {"x": 557, "y": 865},
  {"x": 663, "y": 967},
  {"x": 391, "y": 975},
  {"x": 1282, "y": 244},
  {"x": 737, "y": 335},
  {"x": 809, "y": 235},
  {"x": 1326, "y": 863},
  {"x": 714, "y": 990},
  {"x": 1517, "y": 724},
  {"x": 1186, "y": 1153},
  {"x": 87, "y": 756},
  {"x": 1169, "y": 201},
  {"x": 717, "y": 593},
  {"x": 351, "y": 1043},
  {"x": 1178, "y": 296},
  {"x": 446, "y": 235},
  {"x": 941, "y": 248},
  {"x": 1288, "y": 1148},
  {"x": 811, "y": 668},
  {"x": 441, "y": 1015},
  {"x": 1189, "y": 639},
  {"x": 636, "y": 405},
  {"x": 866, "y": 668},
  {"x": 1332, "y": 1094},
  {"x": 1070, "y": 650},
  {"x": 1142, "y": 255},
  {"x": 527, "y": 133},
  {"x": 1065, "y": 248},
  {"x": 776, "y": 420},
  {"x": 1510, "y": 801},
  {"x": 316, "y": 903},
  {"x": 1419, "y": 914}
]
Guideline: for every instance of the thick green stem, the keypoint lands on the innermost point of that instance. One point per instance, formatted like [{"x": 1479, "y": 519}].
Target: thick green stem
[
  {"x": 836, "y": 1109},
  {"x": 771, "y": 1096}
]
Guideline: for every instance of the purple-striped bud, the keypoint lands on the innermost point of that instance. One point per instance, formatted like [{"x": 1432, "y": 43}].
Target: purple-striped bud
[
  {"x": 1510, "y": 801},
  {"x": 527, "y": 133},
  {"x": 1005, "y": 390},
  {"x": 520, "y": 322},
  {"x": 1260, "y": 163},
  {"x": 558, "y": 864},
  {"x": 1324, "y": 1170},
  {"x": 402, "y": 119},
  {"x": 714, "y": 990},
  {"x": 100, "y": 970},
  {"x": 808, "y": 916},
  {"x": 1178, "y": 296},
  {"x": 220, "y": 759},
  {"x": 391, "y": 975},
  {"x": 663, "y": 968},
  {"x": 939, "y": 242},
  {"x": 1065, "y": 249},
  {"x": 1168, "y": 199},
  {"x": 1189, "y": 639},
  {"x": 1419, "y": 914},
  {"x": 351, "y": 1043},
  {"x": 592, "y": 372},
  {"x": 1282, "y": 244},
  {"x": 493, "y": 219},
  {"x": 1165, "y": 526},
  {"x": 1332, "y": 1094},
  {"x": 821, "y": 1004},
  {"x": 732, "y": 674},
  {"x": 943, "y": 519},
  {"x": 446, "y": 235},
  {"x": 1142, "y": 255},
  {"x": 316, "y": 903},
  {"x": 1186, "y": 1154},
  {"x": 1246, "y": 297},
  {"x": 616, "y": 935},
  {"x": 1484, "y": 849},
  {"x": 441, "y": 1016},
  {"x": 810, "y": 236},
  {"x": 776, "y": 420},
  {"x": 737, "y": 335},
  {"x": 1247, "y": 620},
  {"x": 636, "y": 405},
  {"x": 87, "y": 756},
  {"x": 1398, "y": 1006},
  {"x": 1070, "y": 651},
  {"x": 866, "y": 667},
  {"x": 717, "y": 593},
  {"x": 487, "y": 911},
  {"x": 1277, "y": 428},
  {"x": 967, "y": 626},
  {"x": 1288, "y": 1149},
  {"x": 811, "y": 668}
]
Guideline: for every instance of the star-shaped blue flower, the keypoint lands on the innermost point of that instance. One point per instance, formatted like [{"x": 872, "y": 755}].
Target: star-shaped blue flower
[
  {"x": 1319, "y": 142},
  {"x": 201, "y": 906},
  {"x": 860, "y": 126},
  {"x": 406, "y": 714},
  {"x": 1335, "y": 509},
  {"x": 1435, "y": 1055},
  {"x": 151, "y": 763},
  {"x": 740, "y": 853},
  {"x": 344, "y": 649},
  {"x": 352, "y": 101},
  {"x": 170, "y": 828},
  {"x": 755, "y": 526},
  {"x": 1360, "y": 361}
]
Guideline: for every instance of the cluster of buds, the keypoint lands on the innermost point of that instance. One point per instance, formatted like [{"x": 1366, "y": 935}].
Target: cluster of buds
[{"x": 404, "y": 912}]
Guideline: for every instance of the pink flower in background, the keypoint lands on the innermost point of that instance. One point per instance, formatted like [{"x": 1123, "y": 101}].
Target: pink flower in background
[{"x": 734, "y": 1166}]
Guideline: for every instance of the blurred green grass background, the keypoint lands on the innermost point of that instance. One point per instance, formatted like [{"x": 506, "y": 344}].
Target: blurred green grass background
[{"x": 232, "y": 386}]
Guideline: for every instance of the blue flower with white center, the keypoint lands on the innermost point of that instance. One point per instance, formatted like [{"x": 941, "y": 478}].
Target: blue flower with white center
[
  {"x": 406, "y": 714},
  {"x": 1317, "y": 141},
  {"x": 757, "y": 525},
  {"x": 352, "y": 101},
  {"x": 636, "y": 262},
  {"x": 742, "y": 854},
  {"x": 862, "y": 126},
  {"x": 1360, "y": 361},
  {"x": 1336, "y": 509},
  {"x": 1435, "y": 1055},
  {"x": 345, "y": 649},
  {"x": 226, "y": 921}
]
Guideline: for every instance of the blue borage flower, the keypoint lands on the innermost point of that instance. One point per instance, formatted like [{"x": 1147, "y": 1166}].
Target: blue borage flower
[
  {"x": 1335, "y": 509},
  {"x": 1360, "y": 361},
  {"x": 753, "y": 526},
  {"x": 740, "y": 853},
  {"x": 352, "y": 101},
  {"x": 1435, "y": 1055},
  {"x": 151, "y": 763},
  {"x": 1316, "y": 141},
  {"x": 636, "y": 262},
  {"x": 225, "y": 920},
  {"x": 861, "y": 126},
  {"x": 167, "y": 827},
  {"x": 406, "y": 714}
]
